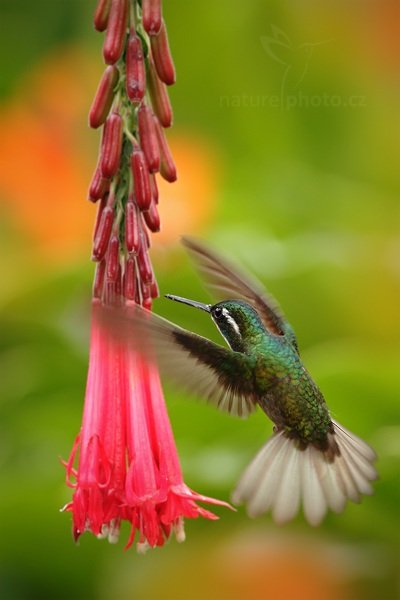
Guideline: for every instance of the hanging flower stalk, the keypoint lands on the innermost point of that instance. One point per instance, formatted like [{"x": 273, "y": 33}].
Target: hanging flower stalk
[{"x": 124, "y": 463}]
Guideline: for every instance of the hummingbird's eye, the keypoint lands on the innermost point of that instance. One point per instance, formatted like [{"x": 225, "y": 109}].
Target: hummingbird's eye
[{"x": 217, "y": 312}]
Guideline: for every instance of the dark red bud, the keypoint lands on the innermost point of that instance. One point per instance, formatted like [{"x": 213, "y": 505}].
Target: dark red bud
[
  {"x": 101, "y": 14},
  {"x": 98, "y": 283},
  {"x": 141, "y": 179},
  {"x": 152, "y": 218},
  {"x": 130, "y": 279},
  {"x": 132, "y": 239},
  {"x": 116, "y": 31},
  {"x": 138, "y": 293},
  {"x": 162, "y": 56},
  {"x": 144, "y": 234},
  {"x": 152, "y": 16},
  {"x": 159, "y": 96},
  {"x": 104, "y": 96},
  {"x": 103, "y": 233},
  {"x": 113, "y": 258},
  {"x": 111, "y": 145},
  {"x": 167, "y": 165},
  {"x": 148, "y": 137},
  {"x": 146, "y": 295},
  {"x": 100, "y": 209},
  {"x": 135, "y": 69},
  {"x": 144, "y": 264},
  {"x": 154, "y": 291},
  {"x": 99, "y": 186},
  {"x": 118, "y": 282},
  {"x": 112, "y": 290},
  {"x": 154, "y": 188}
]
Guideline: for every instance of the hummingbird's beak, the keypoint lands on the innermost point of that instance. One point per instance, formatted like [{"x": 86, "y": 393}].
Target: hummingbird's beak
[{"x": 206, "y": 307}]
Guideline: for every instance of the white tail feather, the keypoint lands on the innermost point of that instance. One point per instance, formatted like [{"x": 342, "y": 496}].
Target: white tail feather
[{"x": 281, "y": 477}]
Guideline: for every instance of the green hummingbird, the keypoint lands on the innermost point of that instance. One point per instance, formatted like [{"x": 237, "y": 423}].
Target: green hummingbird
[{"x": 310, "y": 459}]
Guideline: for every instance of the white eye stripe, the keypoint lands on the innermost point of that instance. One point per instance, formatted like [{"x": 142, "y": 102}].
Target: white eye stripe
[{"x": 231, "y": 321}]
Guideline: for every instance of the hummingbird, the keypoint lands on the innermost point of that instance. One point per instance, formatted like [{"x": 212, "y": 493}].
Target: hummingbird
[{"x": 310, "y": 460}]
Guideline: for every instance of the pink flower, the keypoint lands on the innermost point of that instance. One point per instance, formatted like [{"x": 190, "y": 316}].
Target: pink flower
[{"x": 128, "y": 467}]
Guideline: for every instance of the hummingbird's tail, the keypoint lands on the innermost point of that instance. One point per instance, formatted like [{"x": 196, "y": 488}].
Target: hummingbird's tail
[{"x": 282, "y": 476}]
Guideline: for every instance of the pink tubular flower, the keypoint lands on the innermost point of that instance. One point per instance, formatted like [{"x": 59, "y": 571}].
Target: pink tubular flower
[
  {"x": 100, "y": 477},
  {"x": 128, "y": 467},
  {"x": 155, "y": 490}
]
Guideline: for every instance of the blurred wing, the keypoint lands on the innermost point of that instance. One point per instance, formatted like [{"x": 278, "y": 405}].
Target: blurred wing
[
  {"x": 228, "y": 283},
  {"x": 222, "y": 377}
]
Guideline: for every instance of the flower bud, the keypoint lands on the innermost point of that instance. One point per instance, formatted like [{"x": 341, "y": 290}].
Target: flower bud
[
  {"x": 104, "y": 96},
  {"x": 162, "y": 56},
  {"x": 167, "y": 165},
  {"x": 155, "y": 292},
  {"x": 98, "y": 283},
  {"x": 130, "y": 279},
  {"x": 116, "y": 31},
  {"x": 146, "y": 295},
  {"x": 144, "y": 264},
  {"x": 145, "y": 234},
  {"x": 141, "y": 180},
  {"x": 100, "y": 209},
  {"x": 152, "y": 218},
  {"x": 154, "y": 188},
  {"x": 113, "y": 258},
  {"x": 101, "y": 15},
  {"x": 103, "y": 233},
  {"x": 99, "y": 186},
  {"x": 138, "y": 293},
  {"x": 148, "y": 137},
  {"x": 132, "y": 239},
  {"x": 152, "y": 16},
  {"x": 159, "y": 96},
  {"x": 111, "y": 145},
  {"x": 135, "y": 69},
  {"x": 118, "y": 283}
]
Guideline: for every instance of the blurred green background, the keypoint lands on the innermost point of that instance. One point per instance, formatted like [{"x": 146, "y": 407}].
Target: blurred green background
[{"x": 287, "y": 142}]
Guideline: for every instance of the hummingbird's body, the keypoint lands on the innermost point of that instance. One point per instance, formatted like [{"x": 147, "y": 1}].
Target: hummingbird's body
[{"x": 310, "y": 459}]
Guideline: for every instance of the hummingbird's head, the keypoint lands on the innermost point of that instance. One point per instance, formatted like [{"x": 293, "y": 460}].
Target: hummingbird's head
[{"x": 237, "y": 321}]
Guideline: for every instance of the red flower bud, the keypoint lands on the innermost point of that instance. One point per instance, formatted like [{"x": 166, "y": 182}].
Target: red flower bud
[
  {"x": 103, "y": 233},
  {"x": 100, "y": 209},
  {"x": 167, "y": 165},
  {"x": 99, "y": 186},
  {"x": 154, "y": 188},
  {"x": 148, "y": 137},
  {"x": 111, "y": 145},
  {"x": 141, "y": 179},
  {"x": 98, "y": 282},
  {"x": 152, "y": 218},
  {"x": 118, "y": 282},
  {"x": 162, "y": 56},
  {"x": 152, "y": 16},
  {"x": 104, "y": 96},
  {"x": 145, "y": 235},
  {"x": 132, "y": 239},
  {"x": 135, "y": 69},
  {"x": 155, "y": 292},
  {"x": 113, "y": 258},
  {"x": 159, "y": 96},
  {"x": 144, "y": 264},
  {"x": 138, "y": 293},
  {"x": 130, "y": 279},
  {"x": 146, "y": 295},
  {"x": 101, "y": 14},
  {"x": 114, "y": 41}
]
